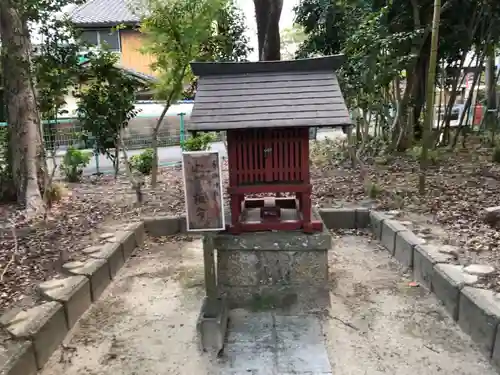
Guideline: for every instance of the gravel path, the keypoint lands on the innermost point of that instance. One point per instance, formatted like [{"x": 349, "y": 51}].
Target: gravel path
[{"x": 377, "y": 324}]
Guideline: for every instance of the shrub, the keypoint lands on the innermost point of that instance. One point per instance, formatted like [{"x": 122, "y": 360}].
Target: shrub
[
  {"x": 415, "y": 152},
  {"x": 55, "y": 193},
  {"x": 73, "y": 163},
  {"x": 200, "y": 142},
  {"x": 143, "y": 162},
  {"x": 383, "y": 160},
  {"x": 326, "y": 151},
  {"x": 372, "y": 190}
]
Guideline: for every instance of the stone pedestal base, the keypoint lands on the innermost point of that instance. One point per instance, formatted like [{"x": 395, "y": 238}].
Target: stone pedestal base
[
  {"x": 212, "y": 324},
  {"x": 272, "y": 269}
]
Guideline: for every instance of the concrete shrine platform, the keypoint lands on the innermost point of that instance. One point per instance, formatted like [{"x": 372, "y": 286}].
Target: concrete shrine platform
[
  {"x": 140, "y": 317},
  {"x": 145, "y": 323}
]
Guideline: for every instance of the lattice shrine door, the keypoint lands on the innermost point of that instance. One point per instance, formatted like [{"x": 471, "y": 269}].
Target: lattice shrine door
[{"x": 268, "y": 156}]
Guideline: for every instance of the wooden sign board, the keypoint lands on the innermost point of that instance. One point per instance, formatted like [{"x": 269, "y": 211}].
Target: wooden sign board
[{"x": 202, "y": 172}]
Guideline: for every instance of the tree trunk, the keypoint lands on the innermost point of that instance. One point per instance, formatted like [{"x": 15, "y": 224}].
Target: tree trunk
[
  {"x": 429, "y": 108},
  {"x": 411, "y": 70},
  {"x": 176, "y": 89},
  {"x": 154, "y": 166},
  {"x": 22, "y": 114},
  {"x": 117, "y": 156},
  {"x": 154, "y": 144},
  {"x": 267, "y": 16},
  {"x": 420, "y": 92},
  {"x": 491, "y": 92},
  {"x": 457, "y": 81}
]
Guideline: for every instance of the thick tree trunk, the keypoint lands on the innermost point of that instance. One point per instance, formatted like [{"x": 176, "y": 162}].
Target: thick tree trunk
[
  {"x": 267, "y": 15},
  {"x": 25, "y": 138}
]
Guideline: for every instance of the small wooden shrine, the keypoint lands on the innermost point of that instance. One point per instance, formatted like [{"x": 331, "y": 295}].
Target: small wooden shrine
[{"x": 267, "y": 109}]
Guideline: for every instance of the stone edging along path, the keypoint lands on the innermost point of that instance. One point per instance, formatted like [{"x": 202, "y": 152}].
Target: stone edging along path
[
  {"x": 476, "y": 310},
  {"x": 29, "y": 337}
]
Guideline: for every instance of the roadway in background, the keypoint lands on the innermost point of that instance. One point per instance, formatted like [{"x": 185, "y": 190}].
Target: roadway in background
[{"x": 169, "y": 155}]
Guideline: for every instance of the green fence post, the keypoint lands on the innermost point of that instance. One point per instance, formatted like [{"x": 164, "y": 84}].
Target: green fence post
[{"x": 181, "y": 131}]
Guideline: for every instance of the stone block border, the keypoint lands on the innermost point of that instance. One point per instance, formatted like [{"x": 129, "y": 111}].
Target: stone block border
[
  {"x": 29, "y": 337},
  {"x": 476, "y": 310}
]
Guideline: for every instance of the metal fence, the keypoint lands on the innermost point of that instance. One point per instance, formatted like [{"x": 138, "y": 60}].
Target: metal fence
[
  {"x": 61, "y": 134},
  {"x": 138, "y": 135}
]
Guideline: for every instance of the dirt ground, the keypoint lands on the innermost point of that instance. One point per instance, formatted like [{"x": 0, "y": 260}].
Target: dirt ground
[
  {"x": 38, "y": 249},
  {"x": 145, "y": 322},
  {"x": 377, "y": 324}
]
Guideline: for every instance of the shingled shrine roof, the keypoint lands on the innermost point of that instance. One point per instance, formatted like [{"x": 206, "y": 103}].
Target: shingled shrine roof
[{"x": 268, "y": 94}]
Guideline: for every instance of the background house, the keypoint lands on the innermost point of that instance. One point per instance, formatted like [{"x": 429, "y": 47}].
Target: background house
[
  {"x": 98, "y": 20},
  {"x": 139, "y": 131}
]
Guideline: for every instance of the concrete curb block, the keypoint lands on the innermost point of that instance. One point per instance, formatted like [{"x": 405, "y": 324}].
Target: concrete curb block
[
  {"x": 44, "y": 325},
  {"x": 447, "y": 282},
  {"x": 479, "y": 316},
  {"x": 96, "y": 270},
  {"x": 165, "y": 226},
  {"x": 29, "y": 337},
  {"x": 111, "y": 252},
  {"x": 425, "y": 257},
  {"x": 338, "y": 218},
  {"x": 404, "y": 246},
  {"x": 477, "y": 311},
  {"x": 127, "y": 240},
  {"x": 390, "y": 228},
  {"x": 17, "y": 357},
  {"x": 139, "y": 232},
  {"x": 345, "y": 218},
  {"x": 73, "y": 292},
  {"x": 376, "y": 221},
  {"x": 362, "y": 218}
]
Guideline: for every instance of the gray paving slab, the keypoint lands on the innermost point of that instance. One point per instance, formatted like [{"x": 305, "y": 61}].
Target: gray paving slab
[
  {"x": 250, "y": 327},
  {"x": 268, "y": 343},
  {"x": 245, "y": 357}
]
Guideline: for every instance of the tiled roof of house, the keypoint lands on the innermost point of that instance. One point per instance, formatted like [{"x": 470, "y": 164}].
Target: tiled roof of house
[
  {"x": 139, "y": 75},
  {"x": 105, "y": 13},
  {"x": 268, "y": 94}
]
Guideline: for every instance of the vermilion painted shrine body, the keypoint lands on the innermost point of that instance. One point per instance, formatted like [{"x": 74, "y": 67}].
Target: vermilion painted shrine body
[{"x": 267, "y": 109}]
